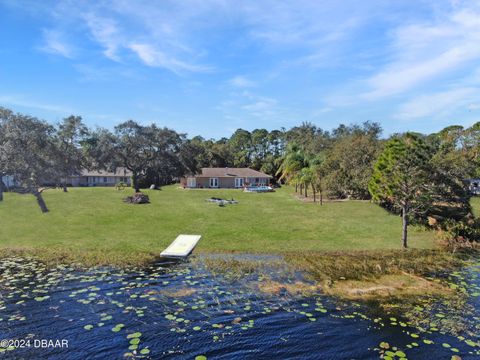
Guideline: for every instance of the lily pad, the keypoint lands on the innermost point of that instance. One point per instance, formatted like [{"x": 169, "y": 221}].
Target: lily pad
[{"x": 134, "y": 335}]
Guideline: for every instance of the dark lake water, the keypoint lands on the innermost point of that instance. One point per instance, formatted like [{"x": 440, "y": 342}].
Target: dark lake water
[{"x": 180, "y": 311}]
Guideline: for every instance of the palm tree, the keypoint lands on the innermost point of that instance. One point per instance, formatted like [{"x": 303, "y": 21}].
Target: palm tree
[
  {"x": 291, "y": 164},
  {"x": 306, "y": 178},
  {"x": 318, "y": 173}
]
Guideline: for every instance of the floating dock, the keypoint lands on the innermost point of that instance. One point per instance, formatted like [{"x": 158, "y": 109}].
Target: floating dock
[{"x": 182, "y": 246}]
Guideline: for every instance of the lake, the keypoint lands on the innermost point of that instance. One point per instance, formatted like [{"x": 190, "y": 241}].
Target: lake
[{"x": 180, "y": 310}]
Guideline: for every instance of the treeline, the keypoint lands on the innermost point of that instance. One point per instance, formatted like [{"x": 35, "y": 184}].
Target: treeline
[
  {"x": 36, "y": 152},
  {"x": 341, "y": 163}
]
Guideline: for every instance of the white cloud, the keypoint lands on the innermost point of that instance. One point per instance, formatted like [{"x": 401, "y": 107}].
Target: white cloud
[
  {"x": 176, "y": 35},
  {"x": 263, "y": 107},
  {"x": 241, "y": 82},
  {"x": 54, "y": 43},
  {"x": 105, "y": 31},
  {"x": 425, "y": 51},
  {"x": 157, "y": 34},
  {"x": 440, "y": 104},
  {"x": 33, "y": 104},
  {"x": 244, "y": 106},
  {"x": 154, "y": 57}
]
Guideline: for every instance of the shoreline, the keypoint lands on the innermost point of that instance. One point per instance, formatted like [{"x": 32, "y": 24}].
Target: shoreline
[
  {"x": 354, "y": 275},
  {"x": 91, "y": 258}
]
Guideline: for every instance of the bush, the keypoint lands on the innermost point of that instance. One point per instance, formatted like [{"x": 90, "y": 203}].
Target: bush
[
  {"x": 121, "y": 186},
  {"x": 461, "y": 231}
]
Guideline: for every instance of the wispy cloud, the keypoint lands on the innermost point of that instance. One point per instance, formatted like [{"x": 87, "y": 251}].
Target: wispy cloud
[
  {"x": 105, "y": 31},
  {"x": 263, "y": 107},
  {"x": 16, "y": 100},
  {"x": 154, "y": 57},
  {"x": 242, "y": 106},
  {"x": 158, "y": 37},
  {"x": 472, "y": 107},
  {"x": 54, "y": 43},
  {"x": 439, "y": 104},
  {"x": 177, "y": 35},
  {"x": 422, "y": 52},
  {"x": 240, "y": 81}
]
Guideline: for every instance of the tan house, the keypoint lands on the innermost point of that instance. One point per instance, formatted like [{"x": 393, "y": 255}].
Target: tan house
[
  {"x": 101, "y": 177},
  {"x": 226, "y": 178}
]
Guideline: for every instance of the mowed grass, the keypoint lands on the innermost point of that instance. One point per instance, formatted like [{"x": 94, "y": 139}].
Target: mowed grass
[
  {"x": 475, "y": 202},
  {"x": 93, "y": 225}
]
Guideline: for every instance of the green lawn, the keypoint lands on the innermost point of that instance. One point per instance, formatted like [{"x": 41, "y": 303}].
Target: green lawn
[
  {"x": 475, "y": 202},
  {"x": 94, "y": 224}
]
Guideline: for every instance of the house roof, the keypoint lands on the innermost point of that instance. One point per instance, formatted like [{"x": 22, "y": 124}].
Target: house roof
[
  {"x": 231, "y": 172},
  {"x": 120, "y": 171}
]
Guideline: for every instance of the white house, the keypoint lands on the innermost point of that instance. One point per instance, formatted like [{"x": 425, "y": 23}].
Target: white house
[
  {"x": 86, "y": 178},
  {"x": 101, "y": 177},
  {"x": 473, "y": 186},
  {"x": 8, "y": 181}
]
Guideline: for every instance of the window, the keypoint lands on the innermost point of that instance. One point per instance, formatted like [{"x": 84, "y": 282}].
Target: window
[
  {"x": 191, "y": 182},
  {"x": 214, "y": 182},
  {"x": 105, "y": 179},
  {"x": 238, "y": 182}
]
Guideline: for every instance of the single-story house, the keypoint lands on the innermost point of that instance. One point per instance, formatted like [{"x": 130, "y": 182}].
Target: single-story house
[
  {"x": 101, "y": 177},
  {"x": 85, "y": 178},
  {"x": 226, "y": 178},
  {"x": 473, "y": 186},
  {"x": 8, "y": 181}
]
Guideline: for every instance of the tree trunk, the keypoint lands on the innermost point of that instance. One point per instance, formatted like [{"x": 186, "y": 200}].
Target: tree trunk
[
  {"x": 40, "y": 201},
  {"x": 296, "y": 187},
  {"x": 306, "y": 187},
  {"x": 404, "y": 226},
  {"x": 321, "y": 198},
  {"x": 135, "y": 181},
  {"x": 65, "y": 185},
  {"x": 313, "y": 191}
]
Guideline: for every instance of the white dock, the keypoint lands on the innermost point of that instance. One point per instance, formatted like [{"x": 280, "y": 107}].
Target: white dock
[{"x": 182, "y": 246}]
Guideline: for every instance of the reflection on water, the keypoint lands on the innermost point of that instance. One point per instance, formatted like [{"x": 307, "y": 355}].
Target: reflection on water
[{"x": 176, "y": 310}]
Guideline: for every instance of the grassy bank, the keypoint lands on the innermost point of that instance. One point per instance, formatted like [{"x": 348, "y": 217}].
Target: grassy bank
[
  {"x": 475, "y": 202},
  {"x": 94, "y": 226},
  {"x": 395, "y": 281}
]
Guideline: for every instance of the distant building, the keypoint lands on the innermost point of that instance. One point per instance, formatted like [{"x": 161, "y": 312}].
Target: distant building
[
  {"x": 85, "y": 178},
  {"x": 101, "y": 177},
  {"x": 8, "y": 181},
  {"x": 222, "y": 178},
  {"x": 473, "y": 186}
]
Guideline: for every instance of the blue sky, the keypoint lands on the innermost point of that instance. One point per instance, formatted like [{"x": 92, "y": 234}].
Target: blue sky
[{"x": 209, "y": 67}]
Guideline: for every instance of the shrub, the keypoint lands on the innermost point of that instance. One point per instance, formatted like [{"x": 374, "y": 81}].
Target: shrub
[
  {"x": 121, "y": 185},
  {"x": 464, "y": 232}
]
